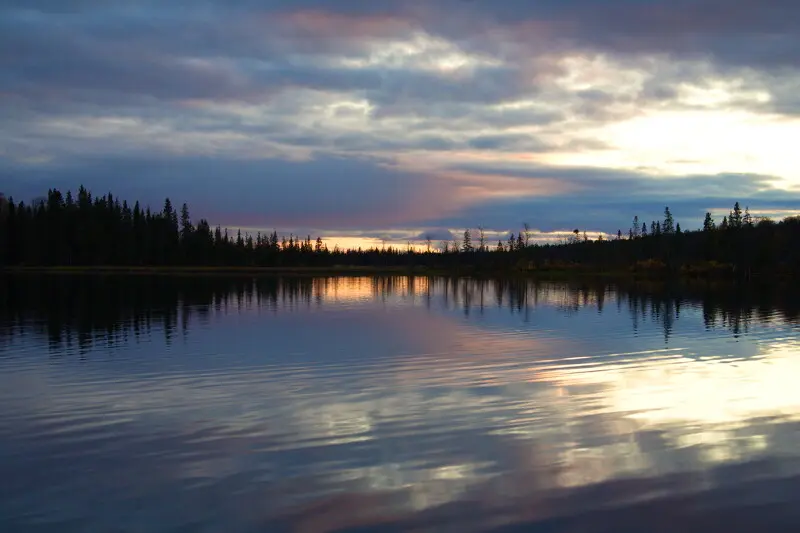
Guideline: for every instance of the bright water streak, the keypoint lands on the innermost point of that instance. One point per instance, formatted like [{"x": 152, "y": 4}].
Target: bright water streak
[{"x": 400, "y": 404}]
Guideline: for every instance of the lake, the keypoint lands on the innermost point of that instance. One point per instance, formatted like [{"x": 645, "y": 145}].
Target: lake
[{"x": 216, "y": 404}]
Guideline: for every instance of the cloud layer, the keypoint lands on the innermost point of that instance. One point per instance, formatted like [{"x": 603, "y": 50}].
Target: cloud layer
[{"x": 406, "y": 117}]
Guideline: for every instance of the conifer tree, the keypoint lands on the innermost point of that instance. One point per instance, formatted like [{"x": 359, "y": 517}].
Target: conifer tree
[
  {"x": 708, "y": 223},
  {"x": 466, "y": 245},
  {"x": 747, "y": 220},
  {"x": 668, "y": 227},
  {"x": 735, "y": 220},
  {"x": 186, "y": 224}
]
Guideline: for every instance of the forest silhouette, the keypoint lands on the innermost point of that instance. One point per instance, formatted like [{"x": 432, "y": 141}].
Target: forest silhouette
[{"x": 62, "y": 230}]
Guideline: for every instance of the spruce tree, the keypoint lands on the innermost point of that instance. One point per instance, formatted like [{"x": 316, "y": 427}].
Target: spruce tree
[
  {"x": 708, "y": 223},
  {"x": 735, "y": 220},
  {"x": 186, "y": 224},
  {"x": 747, "y": 220},
  {"x": 466, "y": 245},
  {"x": 668, "y": 227}
]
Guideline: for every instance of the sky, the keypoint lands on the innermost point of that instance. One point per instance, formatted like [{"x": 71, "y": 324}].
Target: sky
[{"x": 365, "y": 121}]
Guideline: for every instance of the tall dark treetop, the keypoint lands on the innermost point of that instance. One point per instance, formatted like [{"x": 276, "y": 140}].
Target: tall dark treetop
[{"x": 708, "y": 223}]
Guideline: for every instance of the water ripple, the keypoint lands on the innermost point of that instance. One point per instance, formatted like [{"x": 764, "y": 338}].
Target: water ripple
[{"x": 425, "y": 405}]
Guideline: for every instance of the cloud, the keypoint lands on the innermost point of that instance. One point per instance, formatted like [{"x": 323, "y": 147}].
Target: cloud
[
  {"x": 319, "y": 193},
  {"x": 606, "y": 200},
  {"x": 481, "y": 110},
  {"x": 345, "y": 196},
  {"x": 435, "y": 235},
  {"x": 507, "y": 142}
]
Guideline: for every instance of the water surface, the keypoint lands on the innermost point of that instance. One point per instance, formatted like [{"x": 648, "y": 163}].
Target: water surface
[{"x": 161, "y": 404}]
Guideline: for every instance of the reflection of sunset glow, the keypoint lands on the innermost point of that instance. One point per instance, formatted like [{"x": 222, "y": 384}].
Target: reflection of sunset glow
[
  {"x": 459, "y": 292},
  {"x": 677, "y": 389},
  {"x": 694, "y": 403},
  {"x": 357, "y": 288},
  {"x": 434, "y": 389}
]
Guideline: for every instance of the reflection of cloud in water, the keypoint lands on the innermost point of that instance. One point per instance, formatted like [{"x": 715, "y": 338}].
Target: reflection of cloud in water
[
  {"x": 400, "y": 429},
  {"x": 465, "y": 418},
  {"x": 709, "y": 404}
]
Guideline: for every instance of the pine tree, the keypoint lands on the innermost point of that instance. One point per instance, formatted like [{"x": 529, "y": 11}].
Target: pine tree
[
  {"x": 735, "y": 220},
  {"x": 708, "y": 223},
  {"x": 668, "y": 227},
  {"x": 466, "y": 245},
  {"x": 169, "y": 213},
  {"x": 747, "y": 220},
  {"x": 186, "y": 224},
  {"x": 481, "y": 239},
  {"x": 527, "y": 229}
]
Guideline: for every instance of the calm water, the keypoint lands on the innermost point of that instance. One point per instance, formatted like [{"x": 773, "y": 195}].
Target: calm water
[{"x": 395, "y": 404}]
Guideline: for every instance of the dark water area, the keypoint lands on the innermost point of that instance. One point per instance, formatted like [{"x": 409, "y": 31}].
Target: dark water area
[{"x": 361, "y": 404}]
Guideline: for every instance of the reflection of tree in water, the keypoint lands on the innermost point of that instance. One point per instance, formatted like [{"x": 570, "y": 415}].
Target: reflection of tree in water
[
  {"x": 90, "y": 310},
  {"x": 724, "y": 305}
]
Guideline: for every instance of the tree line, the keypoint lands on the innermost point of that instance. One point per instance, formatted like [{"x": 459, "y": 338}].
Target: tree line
[{"x": 86, "y": 230}]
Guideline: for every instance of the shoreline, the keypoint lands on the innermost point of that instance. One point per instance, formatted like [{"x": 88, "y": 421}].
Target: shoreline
[
  {"x": 232, "y": 271},
  {"x": 349, "y": 270}
]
